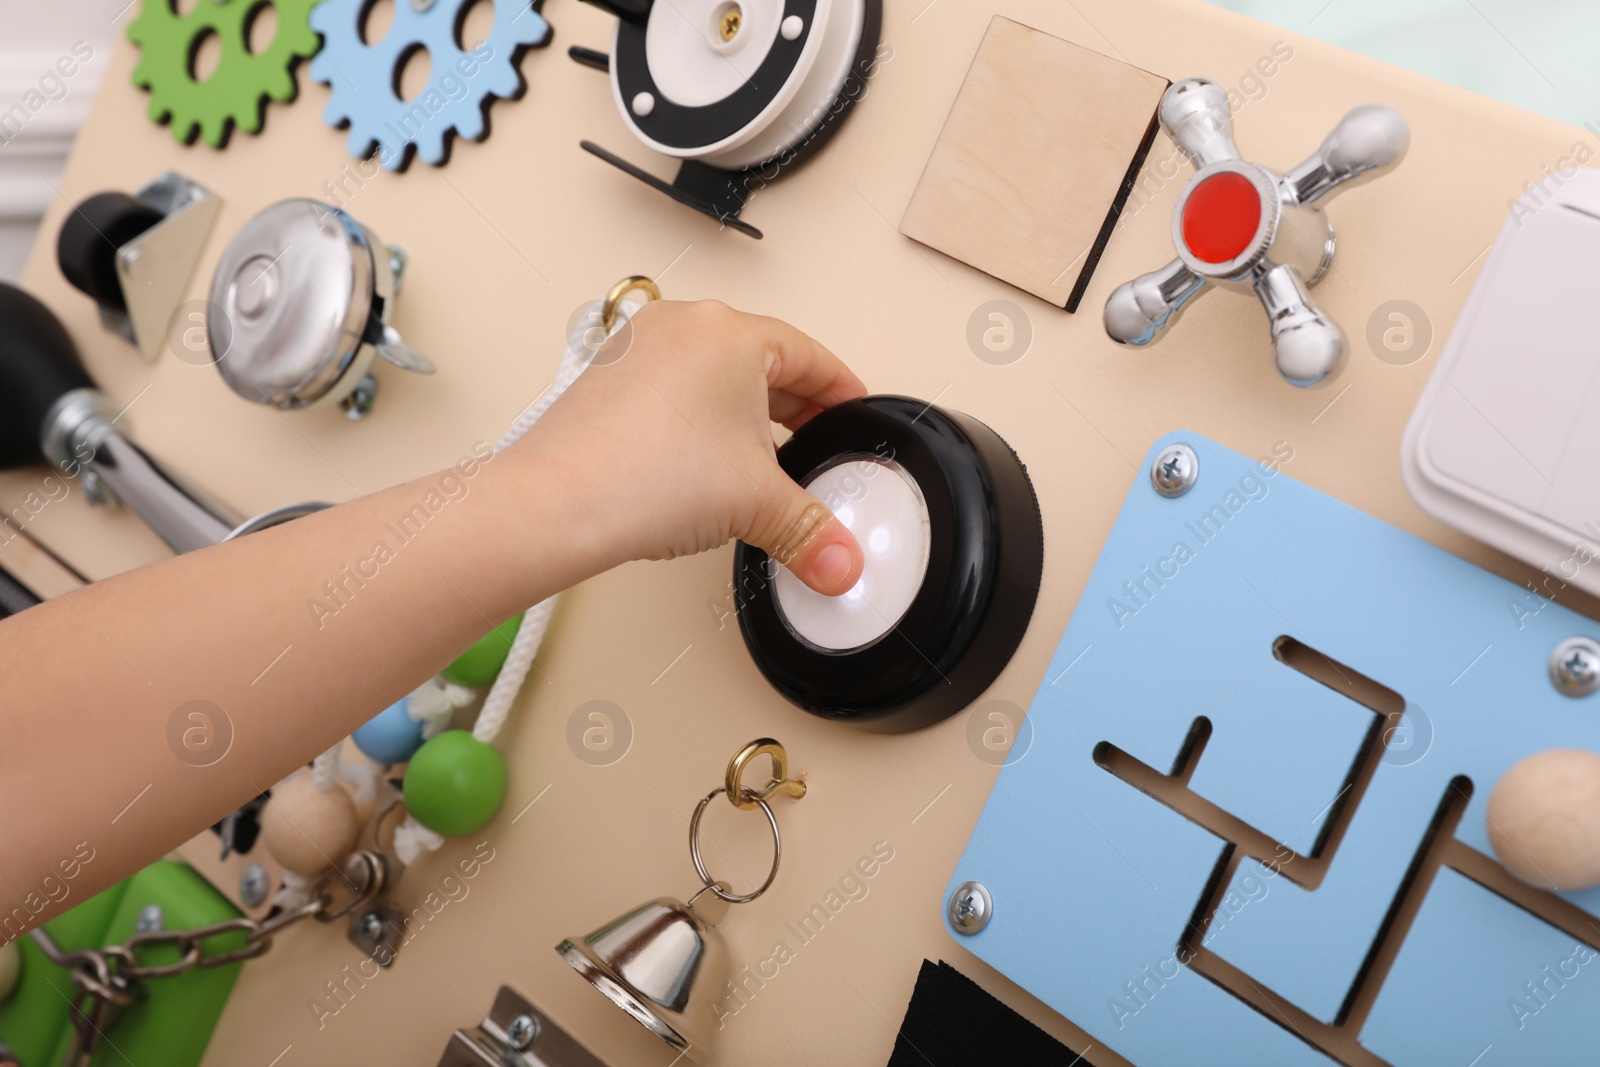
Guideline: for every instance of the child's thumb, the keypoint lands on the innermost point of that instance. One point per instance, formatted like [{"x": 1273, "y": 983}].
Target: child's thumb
[{"x": 804, "y": 536}]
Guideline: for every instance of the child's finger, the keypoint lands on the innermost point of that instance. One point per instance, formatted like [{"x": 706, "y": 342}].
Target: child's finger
[
  {"x": 803, "y": 535},
  {"x": 799, "y": 365},
  {"x": 791, "y": 411}
]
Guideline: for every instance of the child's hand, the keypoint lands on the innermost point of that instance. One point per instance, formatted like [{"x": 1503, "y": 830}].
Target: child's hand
[
  {"x": 668, "y": 450},
  {"x": 662, "y": 449}
]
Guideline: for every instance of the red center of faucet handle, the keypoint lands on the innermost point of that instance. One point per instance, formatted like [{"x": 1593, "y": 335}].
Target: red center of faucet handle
[{"x": 1220, "y": 217}]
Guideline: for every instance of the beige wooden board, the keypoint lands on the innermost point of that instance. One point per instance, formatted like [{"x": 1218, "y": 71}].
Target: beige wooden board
[
  {"x": 1030, "y": 162},
  {"x": 23, "y": 558},
  {"x": 516, "y": 233}
]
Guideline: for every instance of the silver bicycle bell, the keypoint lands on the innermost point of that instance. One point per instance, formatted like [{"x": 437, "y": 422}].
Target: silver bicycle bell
[{"x": 300, "y": 305}]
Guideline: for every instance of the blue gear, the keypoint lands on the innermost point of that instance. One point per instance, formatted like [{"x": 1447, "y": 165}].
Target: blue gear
[{"x": 363, "y": 77}]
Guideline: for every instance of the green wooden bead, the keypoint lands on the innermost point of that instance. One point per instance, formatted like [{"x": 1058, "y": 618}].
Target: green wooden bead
[
  {"x": 455, "y": 783},
  {"x": 479, "y": 665}
]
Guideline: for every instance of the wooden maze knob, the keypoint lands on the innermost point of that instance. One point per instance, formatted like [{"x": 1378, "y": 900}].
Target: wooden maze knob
[{"x": 1544, "y": 819}]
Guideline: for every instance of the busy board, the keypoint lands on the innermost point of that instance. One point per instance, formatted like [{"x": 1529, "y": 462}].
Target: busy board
[{"x": 512, "y": 235}]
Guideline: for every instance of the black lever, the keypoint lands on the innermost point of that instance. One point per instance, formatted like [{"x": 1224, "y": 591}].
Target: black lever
[
  {"x": 626, "y": 10},
  {"x": 50, "y": 411}
]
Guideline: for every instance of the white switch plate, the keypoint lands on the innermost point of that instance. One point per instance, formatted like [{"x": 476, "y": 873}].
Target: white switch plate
[{"x": 1505, "y": 442}]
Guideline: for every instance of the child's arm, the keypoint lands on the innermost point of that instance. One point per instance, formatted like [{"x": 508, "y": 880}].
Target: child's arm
[{"x": 665, "y": 452}]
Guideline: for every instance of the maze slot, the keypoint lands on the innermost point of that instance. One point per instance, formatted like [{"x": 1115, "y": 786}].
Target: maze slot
[
  {"x": 1338, "y": 1040},
  {"x": 1487, "y": 872},
  {"x": 1172, "y": 789}
]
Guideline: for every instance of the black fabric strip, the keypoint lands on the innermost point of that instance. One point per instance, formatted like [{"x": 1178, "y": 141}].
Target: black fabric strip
[{"x": 952, "y": 1022}]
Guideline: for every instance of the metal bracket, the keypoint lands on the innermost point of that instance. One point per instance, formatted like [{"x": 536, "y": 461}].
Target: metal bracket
[
  {"x": 379, "y": 928},
  {"x": 516, "y": 1034},
  {"x": 712, "y": 191},
  {"x": 154, "y": 268},
  {"x": 378, "y": 931}
]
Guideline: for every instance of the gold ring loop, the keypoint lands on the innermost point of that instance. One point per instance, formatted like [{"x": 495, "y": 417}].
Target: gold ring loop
[
  {"x": 745, "y": 798},
  {"x": 632, "y": 283}
]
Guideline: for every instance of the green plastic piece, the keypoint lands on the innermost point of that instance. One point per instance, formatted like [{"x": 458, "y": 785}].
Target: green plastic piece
[
  {"x": 455, "y": 783},
  {"x": 173, "y": 1024},
  {"x": 480, "y": 664},
  {"x": 35, "y": 1020},
  {"x": 236, "y": 93}
]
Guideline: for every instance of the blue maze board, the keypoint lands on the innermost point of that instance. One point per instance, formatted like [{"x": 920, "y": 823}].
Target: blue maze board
[{"x": 1330, "y": 702}]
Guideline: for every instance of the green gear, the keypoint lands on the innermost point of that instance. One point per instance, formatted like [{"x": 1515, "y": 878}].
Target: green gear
[{"x": 236, "y": 93}]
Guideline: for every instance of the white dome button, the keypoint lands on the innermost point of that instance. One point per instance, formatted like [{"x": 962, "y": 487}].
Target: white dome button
[
  {"x": 792, "y": 27},
  {"x": 643, "y": 104},
  {"x": 878, "y": 501}
]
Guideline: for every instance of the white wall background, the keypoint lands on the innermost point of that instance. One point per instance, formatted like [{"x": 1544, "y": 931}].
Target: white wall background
[
  {"x": 34, "y": 35},
  {"x": 1536, "y": 55}
]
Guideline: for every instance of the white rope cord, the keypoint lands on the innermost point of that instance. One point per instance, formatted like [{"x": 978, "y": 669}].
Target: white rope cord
[
  {"x": 325, "y": 769},
  {"x": 497, "y": 706},
  {"x": 411, "y": 838},
  {"x": 295, "y": 893},
  {"x": 434, "y": 703},
  {"x": 362, "y": 778},
  {"x": 530, "y": 633}
]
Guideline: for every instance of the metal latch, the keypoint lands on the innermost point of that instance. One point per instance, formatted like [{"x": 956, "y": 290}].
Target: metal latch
[{"x": 516, "y": 1034}]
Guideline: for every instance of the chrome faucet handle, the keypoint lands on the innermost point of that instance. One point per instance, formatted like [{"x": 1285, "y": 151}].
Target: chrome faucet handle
[
  {"x": 1195, "y": 114},
  {"x": 1141, "y": 311},
  {"x": 1307, "y": 345},
  {"x": 1240, "y": 226},
  {"x": 1369, "y": 141}
]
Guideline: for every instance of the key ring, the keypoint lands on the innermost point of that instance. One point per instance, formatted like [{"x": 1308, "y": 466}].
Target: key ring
[
  {"x": 700, "y": 864},
  {"x": 633, "y": 283}
]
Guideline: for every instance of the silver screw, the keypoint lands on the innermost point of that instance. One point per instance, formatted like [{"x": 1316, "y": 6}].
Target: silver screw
[
  {"x": 522, "y": 1032},
  {"x": 372, "y": 926},
  {"x": 1575, "y": 667},
  {"x": 970, "y": 908},
  {"x": 150, "y": 920},
  {"x": 358, "y": 405},
  {"x": 253, "y": 885},
  {"x": 398, "y": 261},
  {"x": 95, "y": 490},
  {"x": 1175, "y": 470}
]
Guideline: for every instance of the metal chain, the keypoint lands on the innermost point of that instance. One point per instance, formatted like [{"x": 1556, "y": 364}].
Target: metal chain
[{"x": 110, "y": 979}]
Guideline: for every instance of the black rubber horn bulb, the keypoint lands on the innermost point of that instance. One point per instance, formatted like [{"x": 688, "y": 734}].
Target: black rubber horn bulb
[{"x": 38, "y": 365}]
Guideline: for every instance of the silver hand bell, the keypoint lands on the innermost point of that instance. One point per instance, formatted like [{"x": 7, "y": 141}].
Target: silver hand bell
[
  {"x": 1240, "y": 226},
  {"x": 304, "y": 293},
  {"x": 664, "y": 963}
]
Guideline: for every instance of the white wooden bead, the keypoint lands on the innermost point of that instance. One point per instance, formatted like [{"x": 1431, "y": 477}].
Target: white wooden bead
[
  {"x": 306, "y": 831},
  {"x": 1544, "y": 819}
]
